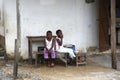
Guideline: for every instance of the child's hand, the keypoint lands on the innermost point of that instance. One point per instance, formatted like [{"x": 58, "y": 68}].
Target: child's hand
[
  {"x": 49, "y": 51},
  {"x": 61, "y": 36}
]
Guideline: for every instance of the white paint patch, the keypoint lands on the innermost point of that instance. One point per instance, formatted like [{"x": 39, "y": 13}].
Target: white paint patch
[{"x": 47, "y": 2}]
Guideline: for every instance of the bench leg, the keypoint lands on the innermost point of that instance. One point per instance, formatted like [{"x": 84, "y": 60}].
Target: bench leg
[
  {"x": 66, "y": 59},
  {"x": 63, "y": 59},
  {"x": 77, "y": 60},
  {"x": 78, "y": 57},
  {"x": 36, "y": 59},
  {"x": 5, "y": 57}
]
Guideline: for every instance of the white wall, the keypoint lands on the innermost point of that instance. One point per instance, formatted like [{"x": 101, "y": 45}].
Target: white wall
[
  {"x": 10, "y": 24},
  {"x": 1, "y": 19},
  {"x": 1, "y": 30},
  {"x": 76, "y": 18}
]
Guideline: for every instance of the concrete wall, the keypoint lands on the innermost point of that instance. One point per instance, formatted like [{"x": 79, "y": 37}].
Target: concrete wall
[
  {"x": 77, "y": 19},
  {"x": 1, "y": 19},
  {"x": 1, "y": 30},
  {"x": 10, "y": 24}
]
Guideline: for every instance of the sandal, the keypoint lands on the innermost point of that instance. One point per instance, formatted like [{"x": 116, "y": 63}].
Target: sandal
[
  {"x": 48, "y": 64},
  {"x": 52, "y": 64}
]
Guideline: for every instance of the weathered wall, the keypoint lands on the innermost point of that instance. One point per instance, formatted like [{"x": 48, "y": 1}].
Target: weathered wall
[
  {"x": 1, "y": 30},
  {"x": 77, "y": 19},
  {"x": 1, "y": 19},
  {"x": 10, "y": 24}
]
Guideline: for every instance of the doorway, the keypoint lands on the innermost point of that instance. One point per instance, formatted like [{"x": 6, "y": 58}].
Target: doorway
[
  {"x": 105, "y": 25},
  {"x": 118, "y": 22}
]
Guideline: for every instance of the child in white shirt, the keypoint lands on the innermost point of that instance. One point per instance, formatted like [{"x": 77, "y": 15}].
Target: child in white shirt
[
  {"x": 59, "y": 45},
  {"x": 49, "y": 53}
]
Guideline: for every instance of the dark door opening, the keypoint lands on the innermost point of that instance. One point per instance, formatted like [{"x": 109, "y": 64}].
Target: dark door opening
[
  {"x": 105, "y": 25},
  {"x": 118, "y": 22}
]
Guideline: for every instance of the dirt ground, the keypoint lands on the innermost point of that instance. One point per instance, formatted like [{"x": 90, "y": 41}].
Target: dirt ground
[{"x": 91, "y": 71}]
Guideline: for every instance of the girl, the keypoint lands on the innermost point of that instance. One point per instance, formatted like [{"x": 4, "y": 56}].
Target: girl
[
  {"x": 59, "y": 45},
  {"x": 49, "y": 53}
]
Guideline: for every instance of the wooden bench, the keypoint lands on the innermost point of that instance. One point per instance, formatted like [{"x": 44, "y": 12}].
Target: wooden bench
[
  {"x": 41, "y": 39},
  {"x": 37, "y": 53},
  {"x": 58, "y": 55},
  {"x": 32, "y": 39},
  {"x": 62, "y": 58},
  {"x": 3, "y": 54},
  {"x": 81, "y": 58}
]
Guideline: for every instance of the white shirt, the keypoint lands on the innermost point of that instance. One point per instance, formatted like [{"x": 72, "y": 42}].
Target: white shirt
[
  {"x": 57, "y": 45},
  {"x": 48, "y": 43}
]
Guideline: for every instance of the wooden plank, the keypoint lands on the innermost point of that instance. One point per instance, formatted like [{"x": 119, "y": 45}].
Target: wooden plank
[
  {"x": 103, "y": 26},
  {"x": 113, "y": 34},
  {"x": 15, "y": 69},
  {"x": 17, "y": 42}
]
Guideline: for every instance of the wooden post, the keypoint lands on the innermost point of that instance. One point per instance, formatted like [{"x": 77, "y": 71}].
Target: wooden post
[
  {"x": 113, "y": 34},
  {"x": 18, "y": 21},
  {"x": 15, "y": 69},
  {"x": 17, "y": 42},
  {"x": 18, "y": 28}
]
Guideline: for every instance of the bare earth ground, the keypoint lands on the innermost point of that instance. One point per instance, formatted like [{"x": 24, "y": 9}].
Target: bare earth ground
[{"x": 91, "y": 71}]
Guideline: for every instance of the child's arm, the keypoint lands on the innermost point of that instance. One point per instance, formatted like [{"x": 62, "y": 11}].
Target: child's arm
[
  {"x": 45, "y": 45},
  {"x": 60, "y": 42},
  {"x": 53, "y": 43}
]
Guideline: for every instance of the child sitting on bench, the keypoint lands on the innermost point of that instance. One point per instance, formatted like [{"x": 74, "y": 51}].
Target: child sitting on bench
[
  {"x": 59, "y": 45},
  {"x": 49, "y": 53}
]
